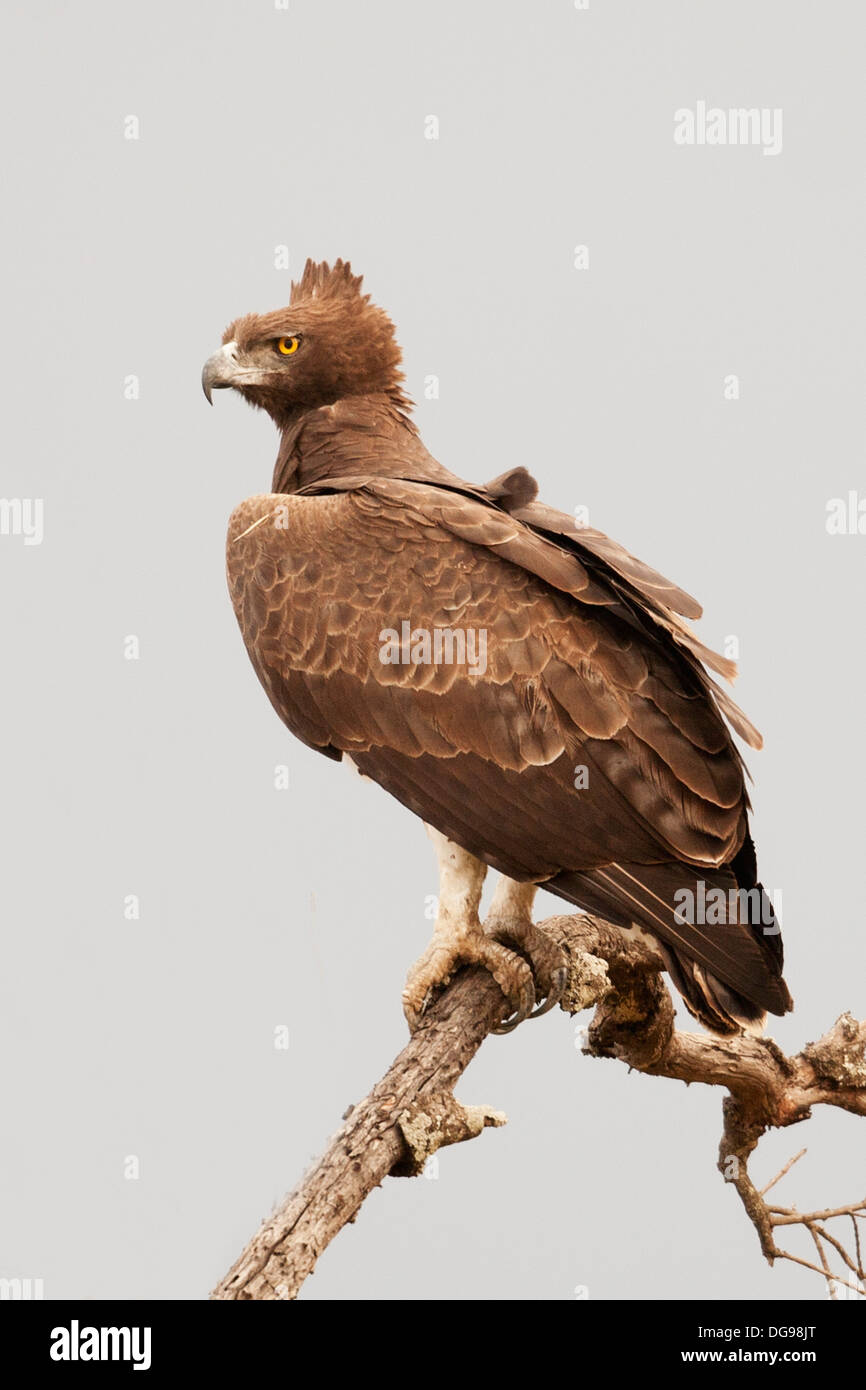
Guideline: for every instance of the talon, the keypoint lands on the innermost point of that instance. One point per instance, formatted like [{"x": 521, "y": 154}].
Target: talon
[
  {"x": 508, "y": 1026},
  {"x": 509, "y": 1023},
  {"x": 556, "y": 992},
  {"x": 523, "y": 1010},
  {"x": 469, "y": 946},
  {"x": 543, "y": 1008},
  {"x": 515, "y": 929},
  {"x": 414, "y": 1010}
]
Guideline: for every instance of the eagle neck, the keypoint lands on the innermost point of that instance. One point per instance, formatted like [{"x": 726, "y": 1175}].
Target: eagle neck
[{"x": 366, "y": 436}]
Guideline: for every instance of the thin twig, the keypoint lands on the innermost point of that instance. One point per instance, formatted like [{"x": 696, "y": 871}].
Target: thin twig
[{"x": 782, "y": 1171}]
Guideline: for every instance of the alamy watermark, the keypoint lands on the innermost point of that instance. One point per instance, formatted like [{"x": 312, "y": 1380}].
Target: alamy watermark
[
  {"x": 438, "y": 646},
  {"x": 846, "y": 516},
  {"x": 77, "y": 1343},
  {"x": 22, "y": 516},
  {"x": 711, "y": 125},
  {"x": 21, "y": 1290},
  {"x": 718, "y": 907}
]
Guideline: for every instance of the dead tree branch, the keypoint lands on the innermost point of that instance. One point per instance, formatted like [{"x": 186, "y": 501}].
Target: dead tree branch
[
  {"x": 404, "y": 1119},
  {"x": 633, "y": 1023},
  {"x": 412, "y": 1111}
]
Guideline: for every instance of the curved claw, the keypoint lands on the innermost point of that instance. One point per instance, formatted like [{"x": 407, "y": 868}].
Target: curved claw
[
  {"x": 445, "y": 956},
  {"x": 509, "y": 1024},
  {"x": 557, "y": 988},
  {"x": 414, "y": 1015},
  {"x": 507, "y": 1027},
  {"x": 523, "y": 1011}
]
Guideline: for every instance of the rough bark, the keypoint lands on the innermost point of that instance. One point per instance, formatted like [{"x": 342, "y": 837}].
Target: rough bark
[
  {"x": 412, "y": 1111},
  {"x": 392, "y": 1130}
]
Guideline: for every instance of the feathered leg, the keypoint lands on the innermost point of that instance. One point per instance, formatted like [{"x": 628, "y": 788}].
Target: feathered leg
[{"x": 459, "y": 939}]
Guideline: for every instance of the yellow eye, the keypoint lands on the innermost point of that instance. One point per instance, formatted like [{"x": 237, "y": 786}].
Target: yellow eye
[{"x": 287, "y": 346}]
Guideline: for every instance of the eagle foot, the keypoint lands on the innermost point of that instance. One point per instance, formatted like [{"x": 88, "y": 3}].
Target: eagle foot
[
  {"x": 549, "y": 966},
  {"x": 449, "y": 951}
]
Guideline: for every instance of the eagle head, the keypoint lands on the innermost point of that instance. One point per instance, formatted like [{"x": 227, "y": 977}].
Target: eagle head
[{"x": 329, "y": 342}]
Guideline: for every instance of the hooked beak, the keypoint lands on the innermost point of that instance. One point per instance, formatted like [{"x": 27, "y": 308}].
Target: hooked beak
[{"x": 222, "y": 370}]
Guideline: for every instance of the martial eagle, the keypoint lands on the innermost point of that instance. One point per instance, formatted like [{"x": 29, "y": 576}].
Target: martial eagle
[{"x": 589, "y": 751}]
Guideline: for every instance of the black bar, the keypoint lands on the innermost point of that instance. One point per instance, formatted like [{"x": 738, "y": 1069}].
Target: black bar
[{"x": 243, "y": 1338}]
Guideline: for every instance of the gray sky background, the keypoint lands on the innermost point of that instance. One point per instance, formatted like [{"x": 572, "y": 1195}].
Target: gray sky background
[{"x": 306, "y": 128}]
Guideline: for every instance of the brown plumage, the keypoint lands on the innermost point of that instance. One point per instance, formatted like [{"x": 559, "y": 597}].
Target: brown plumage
[{"x": 589, "y": 663}]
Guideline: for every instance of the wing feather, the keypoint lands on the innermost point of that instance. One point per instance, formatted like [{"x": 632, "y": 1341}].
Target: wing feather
[{"x": 586, "y": 665}]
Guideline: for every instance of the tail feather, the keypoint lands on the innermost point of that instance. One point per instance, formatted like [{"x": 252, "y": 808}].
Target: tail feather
[
  {"x": 716, "y": 930},
  {"x": 720, "y": 1009}
]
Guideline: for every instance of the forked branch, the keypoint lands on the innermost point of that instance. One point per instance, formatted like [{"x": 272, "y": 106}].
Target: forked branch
[{"x": 412, "y": 1111}]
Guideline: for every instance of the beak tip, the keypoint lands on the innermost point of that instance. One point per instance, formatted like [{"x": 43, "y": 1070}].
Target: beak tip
[{"x": 221, "y": 371}]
